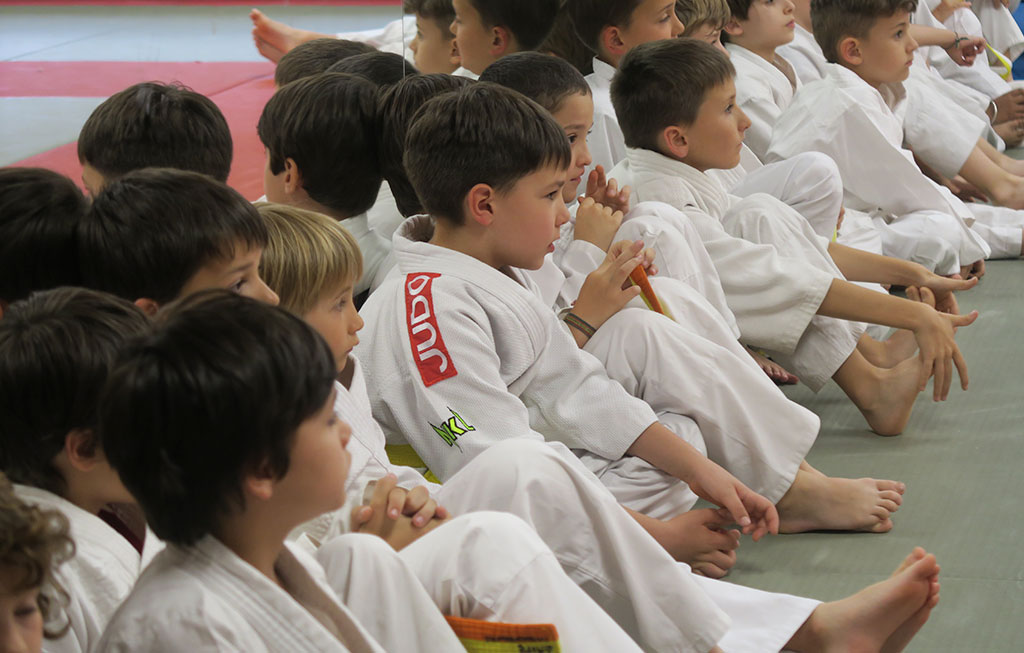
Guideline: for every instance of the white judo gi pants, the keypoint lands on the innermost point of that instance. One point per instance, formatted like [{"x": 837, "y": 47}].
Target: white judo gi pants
[
  {"x": 809, "y": 182},
  {"x": 656, "y": 600},
  {"x": 482, "y": 565},
  {"x": 826, "y": 343},
  {"x": 712, "y": 395}
]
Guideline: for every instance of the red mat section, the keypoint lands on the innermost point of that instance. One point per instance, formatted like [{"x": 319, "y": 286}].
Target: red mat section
[
  {"x": 241, "y": 103},
  {"x": 104, "y": 78}
]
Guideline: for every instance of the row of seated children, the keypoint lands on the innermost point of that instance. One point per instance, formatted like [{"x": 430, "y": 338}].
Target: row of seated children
[
  {"x": 209, "y": 353},
  {"x": 461, "y": 125}
]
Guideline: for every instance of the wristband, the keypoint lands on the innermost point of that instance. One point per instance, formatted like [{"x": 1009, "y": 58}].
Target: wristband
[
  {"x": 957, "y": 39},
  {"x": 578, "y": 323}
]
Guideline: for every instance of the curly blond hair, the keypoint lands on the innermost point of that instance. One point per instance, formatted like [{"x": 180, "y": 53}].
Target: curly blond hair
[{"x": 33, "y": 543}]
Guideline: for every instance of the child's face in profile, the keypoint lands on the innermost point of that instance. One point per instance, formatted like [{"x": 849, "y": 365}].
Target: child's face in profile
[
  {"x": 576, "y": 116},
  {"x": 710, "y": 33},
  {"x": 335, "y": 317},
  {"x": 769, "y": 24},
  {"x": 715, "y": 138},
  {"x": 433, "y": 47},
  {"x": 240, "y": 274},
  {"x": 887, "y": 52},
  {"x": 652, "y": 20},
  {"x": 318, "y": 466},
  {"x": 528, "y": 219},
  {"x": 472, "y": 38},
  {"x": 21, "y": 621}
]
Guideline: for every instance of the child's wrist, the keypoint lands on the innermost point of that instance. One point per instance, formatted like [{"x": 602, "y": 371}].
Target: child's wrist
[{"x": 579, "y": 324}]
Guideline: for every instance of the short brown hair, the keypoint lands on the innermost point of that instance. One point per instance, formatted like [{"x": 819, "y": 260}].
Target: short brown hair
[
  {"x": 664, "y": 83},
  {"x": 483, "y": 134},
  {"x": 34, "y": 542},
  {"x": 56, "y": 350},
  {"x": 834, "y": 20},
  {"x": 694, "y": 14},
  {"x": 315, "y": 57},
  {"x": 590, "y": 17},
  {"x": 307, "y": 256}
]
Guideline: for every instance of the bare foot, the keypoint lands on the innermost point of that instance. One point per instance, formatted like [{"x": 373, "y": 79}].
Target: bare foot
[
  {"x": 899, "y": 639},
  {"x": 889, "y": 353},
  {"x": 699, "y": 539},
  {"x": 277, "y": 37},
  {"x": 775, "y": 372},
  {"x": 1008, "y": 192},
  {"x": 888, "y": 411},
  {"x": 876, "y": 617},
  {"x": 1011, "y": 131},
  {"x": 816, "y": 502},
  {"x": 976, "y": 269}
]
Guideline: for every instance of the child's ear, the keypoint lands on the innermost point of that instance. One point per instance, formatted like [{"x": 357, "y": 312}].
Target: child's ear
[
  {"x": 849, "y": 51},
  {"x": 453, "y": 53},
  {"x": 479, "y": 205},
  {"x": 82, "y": 449},
  {"x": 292, "y": 177},
  {"x": 611, "y": 40},
  {"x": 148, "y": 306},
  {"x": 732, "y": 28},
  {"x": 259, "y": 483},
  {"x": 673, "y": 139},
  {"x": 502, "y": 42}
]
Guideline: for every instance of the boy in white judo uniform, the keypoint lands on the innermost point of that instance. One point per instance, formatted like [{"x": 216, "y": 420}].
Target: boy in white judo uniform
[
  {"x": 789, "y": 296},
  {"x": 326, "y": 152},
  {"x": 857, "y": 113},
  {"x": 249, "y": 477},
  {"x": 36, "y": 542},
  {"x": 486, "y": 30},
  {"x": 809, "y": 183},
  {"x": 481, "y": 347},
  {"x": 56, "y": 350}
]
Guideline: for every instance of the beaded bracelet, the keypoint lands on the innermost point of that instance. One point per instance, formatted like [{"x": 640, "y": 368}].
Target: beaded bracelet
[
  {"x": 957, "y": 39},
  {"x": 578, "y": 323}
]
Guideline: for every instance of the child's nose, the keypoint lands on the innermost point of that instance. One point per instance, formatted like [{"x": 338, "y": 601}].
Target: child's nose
[
  {"x": 677, "y": 25},
  {"x": 744, "y": 120}
]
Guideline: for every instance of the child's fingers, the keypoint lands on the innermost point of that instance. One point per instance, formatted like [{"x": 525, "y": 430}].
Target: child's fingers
[
  {"x": 424, "y": 514},
  {"x": 360, "y": 516},
  {"x": 961, "y": 368},
  {"x": 415, "y": 500},
  {"x": 611, "y": 189}
]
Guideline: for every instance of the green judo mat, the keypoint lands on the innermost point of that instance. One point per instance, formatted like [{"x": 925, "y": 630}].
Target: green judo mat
[{"x": 961, "y": 461}]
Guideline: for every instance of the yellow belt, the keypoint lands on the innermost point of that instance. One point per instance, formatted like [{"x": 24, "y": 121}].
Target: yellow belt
[{"x": 406, "y": 456}]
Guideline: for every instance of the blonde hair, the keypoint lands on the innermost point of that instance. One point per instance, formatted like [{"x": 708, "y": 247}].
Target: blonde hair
[
  {"x": 307, "y": 256},
  {"x": 694, "y": 14}
]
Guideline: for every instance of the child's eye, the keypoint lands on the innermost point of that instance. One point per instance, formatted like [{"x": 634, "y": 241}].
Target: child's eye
[
  {"x": 572, "y": 138},
  {"x": 552, "y": 194},
  {"x": 25, "y": 611},
  {"x": 899, "y": 34},
  {"x": 728, "y": 109},
  {"x": 237, "y": 286}
]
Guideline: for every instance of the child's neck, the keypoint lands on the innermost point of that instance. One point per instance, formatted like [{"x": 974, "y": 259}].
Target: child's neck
[
  {"x": 468, "y": 239},
  {"x": 858, "y": 70},
  {"x": 609, "y": 59},
  {"x": 696, "y": 165},
  {"x": 255, "y": 540},
  {"x": 766, "y": 52}
]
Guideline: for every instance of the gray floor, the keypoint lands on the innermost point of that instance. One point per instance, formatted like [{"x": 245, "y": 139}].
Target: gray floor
[{"x": 960, "y": 460}]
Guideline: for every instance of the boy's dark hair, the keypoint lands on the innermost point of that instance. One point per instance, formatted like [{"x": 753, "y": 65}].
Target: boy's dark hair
[
  {"x": 740, "y": 9},
  {"x": 56, "y": 350},
  {"x": 563, "y": 42},
  {"x": 439, "y": 11},
  {"x": 529, "y": 21},
  {"x": 664, "y": 83},
  {"x": 483, "y": 134},
  {"x": 327, "y": 125},
  {"x": 38, "y": 212},
  {"x": 204, "y": 400},
  {"x": 384, "y": 69},
  {"x": 834, "y": 20},
  {"x": 398, "y": 105},
  {"x": 545, "y": 79},
  {"x": 590, "y": 17},
  {"x": 152, "y": 125},
  {"x": 150, "y": 231},
  {"x": 315, "y": 57}
]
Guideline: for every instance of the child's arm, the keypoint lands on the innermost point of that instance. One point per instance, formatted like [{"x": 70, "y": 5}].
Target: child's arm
[
  {"x": 858, "y": 265},
  {"x": 933, "y": 330},
  {"x": 668, "y": 452},
  {"x": 961, "y": 48},
  {"x": 605, "y": 292}
]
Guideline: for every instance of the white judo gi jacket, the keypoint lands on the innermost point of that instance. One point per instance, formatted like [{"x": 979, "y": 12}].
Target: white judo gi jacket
[
  {"x": 464, "y": 356},
  {"x": 97, "y": 578},
  {"x": 763, "y": 90},
  {"x": 206, "y": 598},
  {"x": 773, "y": 297},
  {"x": 861, "y": 128}
]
